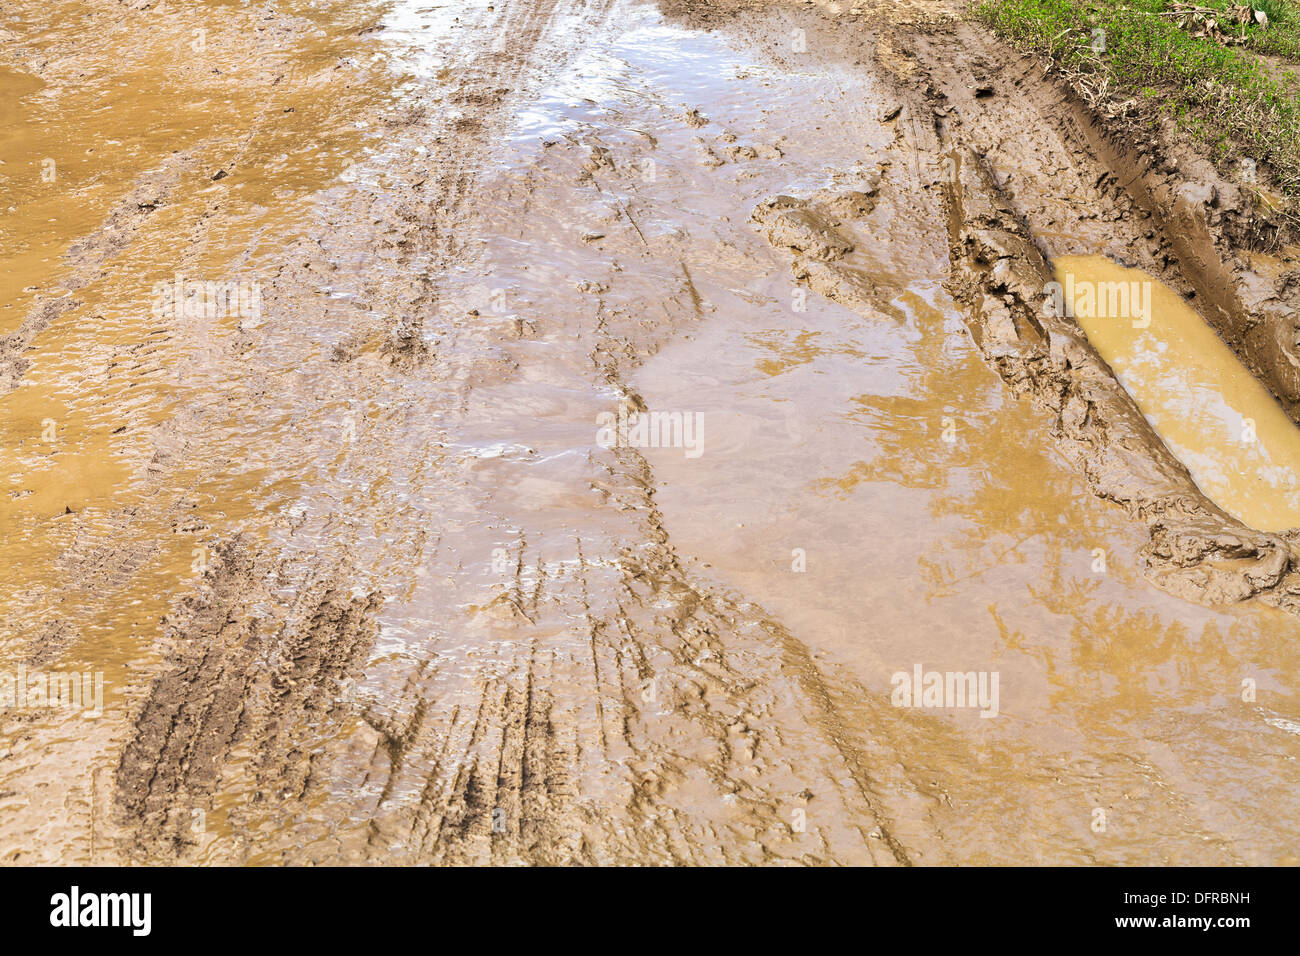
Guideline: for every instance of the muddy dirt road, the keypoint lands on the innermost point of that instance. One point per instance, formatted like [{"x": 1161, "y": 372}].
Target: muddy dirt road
[{"x": 542, "y": 431}]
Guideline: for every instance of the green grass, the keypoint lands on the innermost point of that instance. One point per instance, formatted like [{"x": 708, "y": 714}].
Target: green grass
[{"x": 1225, "y": 95}]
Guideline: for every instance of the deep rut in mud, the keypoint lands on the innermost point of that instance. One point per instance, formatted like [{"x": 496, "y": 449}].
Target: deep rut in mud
[{"x": 385, "y": 573}]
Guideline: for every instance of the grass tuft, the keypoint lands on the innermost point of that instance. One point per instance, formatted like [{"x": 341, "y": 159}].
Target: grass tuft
[{"x": 1216, "y": 77}]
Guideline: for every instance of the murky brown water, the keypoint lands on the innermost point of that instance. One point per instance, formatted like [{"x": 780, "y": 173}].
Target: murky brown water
[
  {"x": 982, "y": 554},
  {"x": 1238, "y": 443},
  {"x": 475, "y": 233}
]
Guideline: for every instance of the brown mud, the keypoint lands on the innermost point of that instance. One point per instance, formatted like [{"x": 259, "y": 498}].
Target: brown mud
[{"x": 367, "y": 584}]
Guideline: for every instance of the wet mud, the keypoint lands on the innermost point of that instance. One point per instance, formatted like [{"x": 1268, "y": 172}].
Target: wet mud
[{"x": 544, "y": 433}]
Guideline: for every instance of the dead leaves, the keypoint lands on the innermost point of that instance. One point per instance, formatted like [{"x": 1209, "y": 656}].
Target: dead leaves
[{"x": 1208, "y": 23}]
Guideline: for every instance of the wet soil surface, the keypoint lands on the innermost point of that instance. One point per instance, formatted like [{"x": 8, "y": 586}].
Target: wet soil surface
[{"x": 554, "y": 431}]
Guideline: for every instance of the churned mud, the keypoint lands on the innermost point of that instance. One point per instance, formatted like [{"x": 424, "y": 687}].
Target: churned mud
[{"x": 558, "y": 431}]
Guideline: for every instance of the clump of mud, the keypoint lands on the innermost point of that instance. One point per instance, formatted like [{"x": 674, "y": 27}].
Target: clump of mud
[{"x": 815, "y": 230}]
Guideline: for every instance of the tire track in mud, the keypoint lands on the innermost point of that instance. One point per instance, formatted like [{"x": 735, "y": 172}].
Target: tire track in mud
[
  {"x": 1006, "y": 214},
  {"x": 600, "y": 708},
  {"x": 244, "y": 700},
  {"x": 627, "y": 716},
  {"x": 1196, "y": 550},
  {"x": 987, "y": 146},
  {"x": 417, "y": 233},
  {"x": 538, "y": 745},
  {"x": 109, "y": 560},
  {"x": 850, "y": 276}
]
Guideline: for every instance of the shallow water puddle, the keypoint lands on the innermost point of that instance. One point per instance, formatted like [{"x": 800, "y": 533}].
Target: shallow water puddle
[
  {"x": 827, "y": 493},
  {"x": 1225, "y": 426}
]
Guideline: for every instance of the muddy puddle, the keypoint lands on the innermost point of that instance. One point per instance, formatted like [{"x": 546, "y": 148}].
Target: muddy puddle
[
  {"x": 828, "y": 489},
  {"x": 1240, "y": 446},
  {"x": 603, "y": 449}
]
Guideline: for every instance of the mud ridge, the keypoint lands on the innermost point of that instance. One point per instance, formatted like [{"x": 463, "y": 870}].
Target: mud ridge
[{"x": 1210, "y": 235}]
